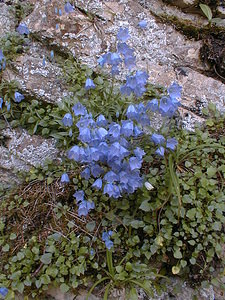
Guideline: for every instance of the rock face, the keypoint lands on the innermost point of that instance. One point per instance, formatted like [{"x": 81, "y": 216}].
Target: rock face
[{"x": 160, "y": 49}]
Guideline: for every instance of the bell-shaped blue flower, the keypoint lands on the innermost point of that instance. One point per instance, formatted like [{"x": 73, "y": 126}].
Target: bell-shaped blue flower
[
  {"x": 111, "y": 177},
  {"x": 158, "y": 139},
  {"x": 123, "y": 34},
  {"x": 85, "y": 135},
  {"x": 3, "y": 291},
  {"x": 86, "y": 173},
  {"x": 89, "y": 84},
  {"x": 127, "y": 128},
  {"x": 97, "y": 184},
  {"x": 153, "y": 105},
  {"x": 18, "y": 97},
  {"x": 22, "y": 29},
  {"x": 101, "y": 121},
  {"x": 68, "y": 8},
  {"x": 174, "y": 90},
  {"x": 160, "y": 151},
  {"x": 74, "y": 153},
  {"x": 135, "y": 163},
  {"x": 96, "y": 170},
  {"x": 142, "y": 24},
  {"x": 65, "y": 178},
  {"x": 67, "y": 120},
  {"x": 1, "y": 103},
  {"x": 79, "y": 109},
  {"x": 79, "y": 195},
  {"x": 171, "y": 144}
]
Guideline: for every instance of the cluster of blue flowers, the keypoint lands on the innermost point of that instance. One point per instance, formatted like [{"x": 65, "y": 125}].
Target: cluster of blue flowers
[
  {"x": 114, "y": 58},
  {"x": 107, "y": 154},
  {"x": 106, "y": 238}
]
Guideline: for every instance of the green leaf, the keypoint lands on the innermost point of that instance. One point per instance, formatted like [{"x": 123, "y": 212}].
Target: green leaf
[
  {"x": 211, "y": 171},
  {"x": 12, "y": 236},
  {"x": 91, "y": 226},
  {"x": 175, "y": 270},
  {"x": 46, "y": 258},
  {"x": 31, "y": 120},
  {"x": 5, "y": 248},
  {"x": 133, "y": 294},
  {"x": 177, "y": 254},
  {"x": 137, "y": 224},
  {"x": 49, "y": 180},
  {"x": 206, "y": 10},
  {"x": 193, "y": 261},
  {"x": 145, "y": 206},
  {"x": 64, "y": 288},
  {"x": 191, "y": 213}
]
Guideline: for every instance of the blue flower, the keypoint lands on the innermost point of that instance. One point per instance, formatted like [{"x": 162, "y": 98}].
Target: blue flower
[
  {"x": 102, "y": 133},
  {"x": 60, "y": 12},
  {"x": 85, "y": 135},
  {"x": 89, "y": 84},
  {"x": 127, "y": 128},
  {"x": 166, "y": 107},
  {"x": 109, "y": 189},
  {"x": 123, "y": 34},
  {"x": 174, "y": 90},
  {"x": 171, "y": 144},
  {"x": 106, "y": 238},
  {"x": 130, "y": 62},
  {"x": 74, "y": 153},
  {"x": 160, "y": 151},
  {"x": 109, "y": 244},
  {"x": 84, "y": 207},
  {"x": 22, "y": 29},
  {"x": 158, "y": 139},
  {"x": 68, "y": 8},
  {"x": 3, "y": 291},
  {"x": 43, "y": 62},
  {"x": 67, "y": 120},
  {"x": 70, "y": 132},
  {"x": 65, "y": 178},
  {"x": 2, "y": 57},
  {"x": 135, "y": 163},
  {"x": 139, "y": 152},
  {"x": 52, "y": 54},
  {"x": 56, "y": 10},
  {"x": 96, "y": 170},
  {"x": 79, "y": 195},
  {"x": 142, "y": 24},
  {"x": 131, "y": 112},
  {"x": 114, "y": 130},
  {"x": 18, "y": 97},
  {"x": 1, "y": 102},
  {"x": 97, "y": 184},
  {"x": 153, "y": 105},
  {"x": 124, "y": 49},
  {"x": 86, "y": 173},
  {"x": 57, "y": 26},
  {"x": 79, "y": 109},
  {"x": 114, "y": 59},
  {"x": 101, "y": 121},
  {"x": 8, "y": 105},
  {"x": 110, "y": 177}
]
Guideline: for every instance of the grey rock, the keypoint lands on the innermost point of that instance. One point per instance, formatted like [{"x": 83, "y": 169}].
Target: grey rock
[
  {"x": 7, "y": 19},
  {"x": 182, "y": 3},
  {"x": 22, "y": 151},
  {"x": 44, "y": 82}
]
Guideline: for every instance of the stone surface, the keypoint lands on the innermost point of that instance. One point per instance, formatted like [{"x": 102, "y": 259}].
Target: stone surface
[
  {"x": 44, "y": 82},
  {"x": 7, "y": 20},
  {"x": 21, "y": 151}
]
